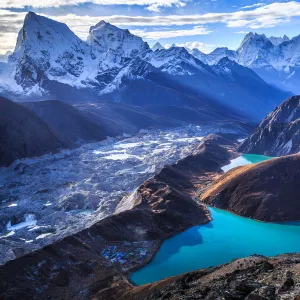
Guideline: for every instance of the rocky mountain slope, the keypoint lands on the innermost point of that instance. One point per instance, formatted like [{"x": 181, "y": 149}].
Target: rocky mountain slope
[
  {"x": 267, "y": 191},
  {"x": 279, "y": 133},
  {"x": 51, "y": 62},
  {"x": 24, "y": 134},
  {"x": 275, "y": 59}
]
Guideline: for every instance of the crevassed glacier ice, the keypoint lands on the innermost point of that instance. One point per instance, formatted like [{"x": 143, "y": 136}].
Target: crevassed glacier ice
[{"x": 71, "y": 190}]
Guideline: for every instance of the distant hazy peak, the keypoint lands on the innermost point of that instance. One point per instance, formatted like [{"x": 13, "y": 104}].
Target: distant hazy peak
[
  {"x": 279, "y": 40},
  {"x": 102, "y": 24},
  {"x": 157, "y": 46},
  {"x": 254, "y": 37}
]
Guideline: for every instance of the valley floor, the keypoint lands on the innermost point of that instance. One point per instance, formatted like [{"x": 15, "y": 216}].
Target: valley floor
[
  {"x": 47, "y": 198},
  {"x": 96, "y": 262}
]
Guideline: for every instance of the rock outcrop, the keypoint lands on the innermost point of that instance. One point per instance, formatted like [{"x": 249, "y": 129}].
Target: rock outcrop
[
  {"x": 279, "y": 133},
  {"x": 267, "y": 191}
]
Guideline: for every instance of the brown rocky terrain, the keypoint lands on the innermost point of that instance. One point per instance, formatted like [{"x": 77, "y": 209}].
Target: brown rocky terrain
[
  {"x": 87, "y": 265},
  {"x": 251, "y": 278},
  {"x": 268, "y": 191}
]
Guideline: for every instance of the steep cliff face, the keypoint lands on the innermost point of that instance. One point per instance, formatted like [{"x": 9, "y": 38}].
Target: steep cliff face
[
  {"x": 267, "y": 191},
  {"x": 279, "y": 133},
  {"x": 47, "y": 49},
  {"x": 24, "y": 134}
]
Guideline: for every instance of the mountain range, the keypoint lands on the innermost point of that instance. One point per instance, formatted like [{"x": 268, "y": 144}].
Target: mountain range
[
  {"x": 113, "y": 65},
  {"x": 275, "y": 59}
]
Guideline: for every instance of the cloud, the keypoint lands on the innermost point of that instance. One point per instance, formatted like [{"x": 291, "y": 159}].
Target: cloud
[
  {"x": 152, "y": 5},
  {"x": 242, "y": 32},
  {"x": 253, "y": 5},
  {"x": 257, "y": 18},
  {"x": 156, "y": 35},
  {"x": 263, "y": 22},
  {"x": 206, "y": 48},
  {"x": 10, "y": 24}
]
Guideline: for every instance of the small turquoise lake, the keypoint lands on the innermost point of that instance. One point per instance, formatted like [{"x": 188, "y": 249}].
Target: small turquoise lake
[
  {"x": 225, "y": 238},
  {"x": 245, "y": 159}
]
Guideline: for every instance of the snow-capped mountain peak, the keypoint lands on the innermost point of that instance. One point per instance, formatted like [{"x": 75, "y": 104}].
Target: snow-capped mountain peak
[
  {"x": 199, "y": 55},
  {"x": 279, "y": 40},
  {"x": 275, "y": 59},
  {"x": 106, "y": 37},
  {"x": 157, "y": 46},
  {"x": 253, "y": 50},
  {"x": 255, "y": 40},
  {"x": 47, "y": 48},
  {"x": 40, "y": 33}
]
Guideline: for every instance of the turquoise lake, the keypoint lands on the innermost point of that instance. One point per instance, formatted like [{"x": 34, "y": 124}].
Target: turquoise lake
[
  {"x": 225, "y": 238},
  {"x": 245, "y": 159}
]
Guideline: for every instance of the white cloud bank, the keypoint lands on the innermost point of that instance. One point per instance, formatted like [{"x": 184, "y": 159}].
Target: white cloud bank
[
  {"x": 266, "y": 16},
  {"x": 259, "y": 17},
  {"x": 152, "y": 5},
  {"x": 205, "y": 48},
  {"x": 156, "y": 35}
]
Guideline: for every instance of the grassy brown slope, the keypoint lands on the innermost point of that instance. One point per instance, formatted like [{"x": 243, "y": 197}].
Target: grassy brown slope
[{"x": 268, "y": 191}]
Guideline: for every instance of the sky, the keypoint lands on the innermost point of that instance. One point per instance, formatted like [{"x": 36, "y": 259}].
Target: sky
[{"x": 202, "y": 24}]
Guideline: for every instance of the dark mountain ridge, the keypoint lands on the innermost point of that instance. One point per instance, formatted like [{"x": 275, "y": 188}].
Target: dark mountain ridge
[
  {"x": 279, "y": 133},
  {"x": 24, "y": 134}
]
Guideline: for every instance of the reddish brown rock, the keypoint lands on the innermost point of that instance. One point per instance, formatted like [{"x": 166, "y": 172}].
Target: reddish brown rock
[{"x": 268, "y": 191}]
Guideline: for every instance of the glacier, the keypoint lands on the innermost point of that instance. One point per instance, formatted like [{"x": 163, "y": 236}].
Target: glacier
[{"x": 58, "y": 194}]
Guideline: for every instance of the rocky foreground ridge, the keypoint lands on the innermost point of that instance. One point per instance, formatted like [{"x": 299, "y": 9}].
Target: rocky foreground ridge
[{"x": 251, "y": 278}]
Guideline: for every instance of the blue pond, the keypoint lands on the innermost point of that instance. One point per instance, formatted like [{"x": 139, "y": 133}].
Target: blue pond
[{"x": 225, "y": 238}]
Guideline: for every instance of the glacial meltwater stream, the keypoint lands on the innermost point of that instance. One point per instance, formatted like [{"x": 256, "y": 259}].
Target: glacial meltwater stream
[{"x": 225, "y": 238}]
